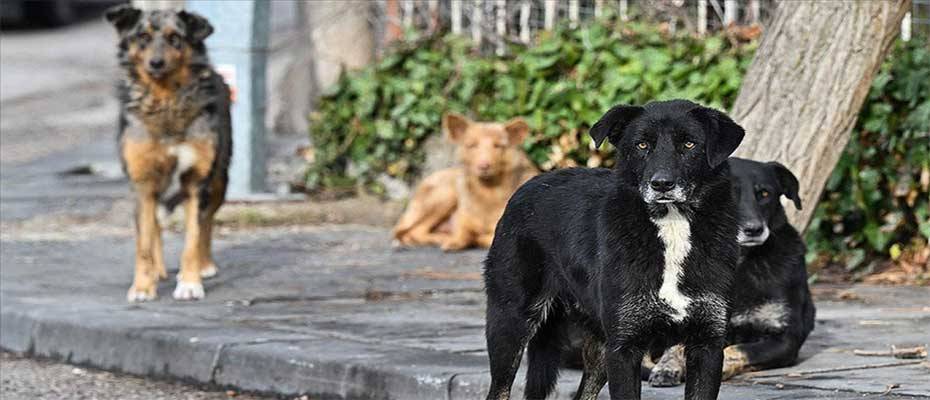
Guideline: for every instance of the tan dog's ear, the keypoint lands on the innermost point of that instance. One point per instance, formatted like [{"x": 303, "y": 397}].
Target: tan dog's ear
[
  {"x": 517, "y": 131},
  {"x": 455, "y": 125}
]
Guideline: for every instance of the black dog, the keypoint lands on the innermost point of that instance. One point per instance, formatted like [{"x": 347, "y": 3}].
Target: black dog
[
  {"x": 772, "y": 308},
  {"x": 639, "y": 256}
]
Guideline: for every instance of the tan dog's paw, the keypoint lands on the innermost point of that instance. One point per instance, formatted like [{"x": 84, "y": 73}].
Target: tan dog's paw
[
  {"x": 453, "y": 245},
  {"x": 666, "y": 376},
  {"x": 138, "y": 294},
  {"x": 188, "y": 291},
  {"x": 735, "y": 362},
  {"x": 670, "y": 369}
]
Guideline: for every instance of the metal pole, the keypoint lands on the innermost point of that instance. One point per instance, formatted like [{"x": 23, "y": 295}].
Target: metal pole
[{"x": 238, "y": 49}]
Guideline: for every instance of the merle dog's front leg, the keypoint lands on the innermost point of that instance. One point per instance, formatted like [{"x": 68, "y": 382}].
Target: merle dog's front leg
[
  {"x": 704, "y": 363},
  {"x": 624, "y": 361}
]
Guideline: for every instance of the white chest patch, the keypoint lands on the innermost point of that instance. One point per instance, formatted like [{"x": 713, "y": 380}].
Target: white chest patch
[
  {"x": 185, "y": 155},
  {"x": 675, "y": 234},
  {"x": 185, "y": 158}
]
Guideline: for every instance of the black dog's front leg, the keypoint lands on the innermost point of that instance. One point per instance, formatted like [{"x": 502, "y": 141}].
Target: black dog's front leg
[
  {"x": 704, "y": 363},
  {"x": 623, "y": 371}
]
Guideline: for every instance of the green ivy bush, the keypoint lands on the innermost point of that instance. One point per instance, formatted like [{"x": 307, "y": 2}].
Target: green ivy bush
[
  {"x": 877, "y": 201},
  {"x": 374, "y": 121}
]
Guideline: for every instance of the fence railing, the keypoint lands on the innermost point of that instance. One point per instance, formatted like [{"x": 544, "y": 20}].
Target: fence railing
[{"x": 491, "y": 24}]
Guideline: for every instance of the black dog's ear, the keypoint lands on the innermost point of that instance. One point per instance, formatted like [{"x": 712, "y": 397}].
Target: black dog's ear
[
  {"x": 787, "y": 181},
  {"x": 123, "y": 17},
  {"x": 612, "y": 123},
  {"x": 722, "y": 134},
  {"x": 198, "y": 28}
]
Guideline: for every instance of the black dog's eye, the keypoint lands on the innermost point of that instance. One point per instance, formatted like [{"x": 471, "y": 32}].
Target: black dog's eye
[
  {"x": 642, "y": 145},
  {"x": 174, "y": 40},
  {"x": 689, "y": 145},
  {"x": 763, "y": 193},
  {"x": 144, "y": 38}
]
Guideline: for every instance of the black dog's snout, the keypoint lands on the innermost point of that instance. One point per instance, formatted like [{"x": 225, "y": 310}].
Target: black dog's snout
[
  {"x": 661, "y": 182},
  {"x": 753, "y": 229},
  {"x": 157, "y": 63}
]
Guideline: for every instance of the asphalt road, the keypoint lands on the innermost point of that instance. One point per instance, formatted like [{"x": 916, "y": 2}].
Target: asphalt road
[{"x": 23, "y": 378}]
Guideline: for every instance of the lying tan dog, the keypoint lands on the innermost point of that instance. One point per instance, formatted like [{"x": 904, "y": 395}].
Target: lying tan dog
[{"x": 458, "y": 207}]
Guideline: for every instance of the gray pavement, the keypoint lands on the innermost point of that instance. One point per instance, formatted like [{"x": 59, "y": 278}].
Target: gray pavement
[
  {"x": 334, "y": 311},
  {"x": 331, "y": 311},
  {"x": 28, "y": 379}
]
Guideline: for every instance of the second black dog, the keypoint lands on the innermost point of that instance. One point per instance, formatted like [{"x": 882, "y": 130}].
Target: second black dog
[
  {"x": 640, "y": 256},
  {"x": 772, "y": 307}
]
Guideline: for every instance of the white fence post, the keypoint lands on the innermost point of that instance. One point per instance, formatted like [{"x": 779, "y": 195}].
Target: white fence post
[
  {"x": 624, "y": 10},
  {"x": 755, "y": 10},
  {"x": 456, "y": 12},
  {"x": 433, "y": 7},
  {"x": 730, "y": 10},
  {"x": 477, "y": 13},
  {"x": 408, "y": 10},
  {"x": 550, "y": 13},
  {"x": 525, "y": 21},
  {"x": 501, "y": 26},
  {"x": 702, "y": 17},
  {"x": 573, "y": 12},
  {"x": 598, "y": 8}
]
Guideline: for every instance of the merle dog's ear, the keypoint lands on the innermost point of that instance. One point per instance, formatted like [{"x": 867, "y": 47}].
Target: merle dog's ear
[
  {"x": 123, "y": 17},
  {"x": 198, "y": 28},
  {"x": 611, "y": 125},
  {"x": 787, "y": 181},
  {"x": 722, "y": 134}
]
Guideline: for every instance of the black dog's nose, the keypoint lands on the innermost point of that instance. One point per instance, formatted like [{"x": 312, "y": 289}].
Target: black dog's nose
[
  {"x": 753, "y": 229},
  {"x": 661, "y": 183},
  {"x": 156, "y": 63}
]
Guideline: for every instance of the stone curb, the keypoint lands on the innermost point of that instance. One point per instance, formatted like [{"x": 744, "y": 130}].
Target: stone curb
[{"x": 293, "y": 365}]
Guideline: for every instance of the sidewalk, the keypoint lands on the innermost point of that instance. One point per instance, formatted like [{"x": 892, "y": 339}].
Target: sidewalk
[{"x": 334, "y": 312}]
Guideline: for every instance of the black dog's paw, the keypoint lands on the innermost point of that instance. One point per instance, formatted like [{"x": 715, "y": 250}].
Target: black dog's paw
[{"x": 666, "y": 377}]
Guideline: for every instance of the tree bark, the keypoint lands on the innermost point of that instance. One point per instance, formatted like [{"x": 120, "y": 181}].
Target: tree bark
[{"x": 807, "y": 83}]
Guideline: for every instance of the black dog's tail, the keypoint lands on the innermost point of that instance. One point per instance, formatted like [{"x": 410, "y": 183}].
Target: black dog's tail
[{"x": 544, "y": 354}]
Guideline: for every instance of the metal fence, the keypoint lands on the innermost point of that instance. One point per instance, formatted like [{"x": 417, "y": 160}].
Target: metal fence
[
  {"x": 493, "y": 23},
  {"x": 917, "y": 23}
]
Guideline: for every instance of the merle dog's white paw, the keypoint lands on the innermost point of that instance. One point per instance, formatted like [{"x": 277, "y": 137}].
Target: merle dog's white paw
[
  {"x": 188, "y": 291},
  {"x": 209, "y": 272},
  {"x": 135, "y": 295}
]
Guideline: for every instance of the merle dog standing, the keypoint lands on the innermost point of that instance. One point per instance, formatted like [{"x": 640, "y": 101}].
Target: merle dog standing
[
  {"x": 772, "y": 308},
  {"x": 175, "y": 139},
  {"x": 639, "y": 256}
]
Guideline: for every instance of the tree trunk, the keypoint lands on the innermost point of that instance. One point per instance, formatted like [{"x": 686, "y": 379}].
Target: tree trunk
[{"x": 807, "y": 83}]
